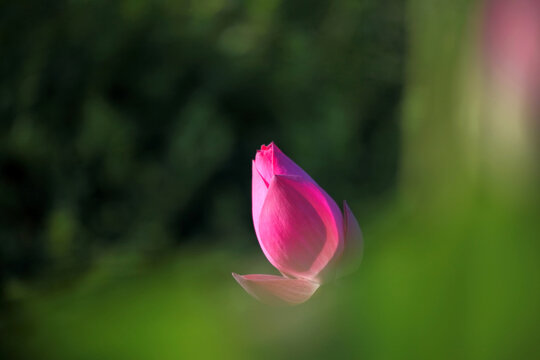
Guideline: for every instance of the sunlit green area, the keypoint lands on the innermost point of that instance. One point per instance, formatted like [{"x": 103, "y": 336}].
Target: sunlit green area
[{"x": 127, "y": 133}]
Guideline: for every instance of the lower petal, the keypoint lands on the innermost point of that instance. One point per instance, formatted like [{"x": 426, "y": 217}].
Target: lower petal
[{"x": 277, "y": 290}]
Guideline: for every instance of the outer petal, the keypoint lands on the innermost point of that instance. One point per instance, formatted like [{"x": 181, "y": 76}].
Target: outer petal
[
  {"x": 354, "y": 242},
  {"x": 259, "y": 188},
  {"x": 263, "y": 162},
  {"x": 270, "y": 160},
  {"x": 277, "y": 290},
  {"x": 300, "y": 231}
]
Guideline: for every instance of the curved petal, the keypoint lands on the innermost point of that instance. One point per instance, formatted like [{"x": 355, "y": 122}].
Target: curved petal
[
  {"x": 264, "y": 162},
  {"x": 270, "y": 160},
  {"x": 277, "y": 290},
  {"x": 259, "y": 188},
  {"x": 300, "y": 231},
  {"x": 354, "y": 242}
]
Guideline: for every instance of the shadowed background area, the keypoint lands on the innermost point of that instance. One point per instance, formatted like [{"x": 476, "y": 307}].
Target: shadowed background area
[{"x": 126, "y": 137}]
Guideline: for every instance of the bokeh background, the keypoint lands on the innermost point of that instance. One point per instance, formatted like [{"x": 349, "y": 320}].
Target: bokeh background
[{"x": 127, "y": 130}]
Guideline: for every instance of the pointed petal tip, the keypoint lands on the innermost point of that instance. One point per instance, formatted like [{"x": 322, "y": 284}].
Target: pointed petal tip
[{"x": 265, "y": 147}]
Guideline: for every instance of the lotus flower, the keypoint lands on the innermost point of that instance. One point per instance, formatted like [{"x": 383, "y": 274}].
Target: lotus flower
[{"x": 300, "y": 229}]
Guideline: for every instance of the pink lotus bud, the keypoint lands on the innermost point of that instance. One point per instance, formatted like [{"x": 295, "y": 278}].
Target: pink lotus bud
[{"x": 300, "y": 229}]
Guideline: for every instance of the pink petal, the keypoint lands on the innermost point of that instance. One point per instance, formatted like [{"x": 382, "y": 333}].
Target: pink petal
[
  {"x": 270, "y": 160},
  {"x": 300, "y": 228},
  {"x": 264, "y": 162},
  {"x": 277, "y": 290},
  {"x": 354, "y": 242},
  {"x": 259, "y": 188}
]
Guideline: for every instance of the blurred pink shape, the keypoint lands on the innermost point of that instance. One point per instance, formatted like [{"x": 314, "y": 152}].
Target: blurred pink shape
[
  {"x": 512, "y": 44},
  {"x": 300, "y": 229},
  {"x": 272, "y": 289}
]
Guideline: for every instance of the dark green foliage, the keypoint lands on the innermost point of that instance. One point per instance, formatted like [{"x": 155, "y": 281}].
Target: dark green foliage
[{"x": 129, "y": 123}]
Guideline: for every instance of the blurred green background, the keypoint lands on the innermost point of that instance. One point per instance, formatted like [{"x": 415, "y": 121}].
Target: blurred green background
[{"x": 126, "y": 135}]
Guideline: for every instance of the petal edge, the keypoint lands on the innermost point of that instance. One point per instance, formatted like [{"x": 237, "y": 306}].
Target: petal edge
[
  {"x": 353, "y": 244},
  {"x": 277, "y": 290}
]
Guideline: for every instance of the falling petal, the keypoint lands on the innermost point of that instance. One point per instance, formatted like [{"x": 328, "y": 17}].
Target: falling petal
[{"x": 277, "y": 290}]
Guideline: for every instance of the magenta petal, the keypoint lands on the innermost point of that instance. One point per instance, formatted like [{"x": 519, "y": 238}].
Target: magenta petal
[
  {"x": 259, "y": 188},
  {"x": 354, "y": 242},
  {"x": 283, "y": 165},
  {"x": 277, "y": 290},
  {"x": 264, "y": 163},
  {"x": 270, "y": 161},
  {"x": 300, "y": 227}
]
